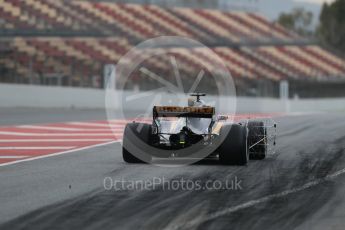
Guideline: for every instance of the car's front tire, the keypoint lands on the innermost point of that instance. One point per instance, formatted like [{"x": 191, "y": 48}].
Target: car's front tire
[{"x": 233, "y": 150}]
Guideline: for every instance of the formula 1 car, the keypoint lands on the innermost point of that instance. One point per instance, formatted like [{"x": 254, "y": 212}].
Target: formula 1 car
[{"x": 184, "y": 131}]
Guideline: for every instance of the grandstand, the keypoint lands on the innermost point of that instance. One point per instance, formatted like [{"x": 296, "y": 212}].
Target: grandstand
[{"x": 61, "y": 42}]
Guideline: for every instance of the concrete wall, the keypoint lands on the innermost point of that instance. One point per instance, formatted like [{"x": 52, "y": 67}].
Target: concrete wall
[{"x": 12, "y": 95}]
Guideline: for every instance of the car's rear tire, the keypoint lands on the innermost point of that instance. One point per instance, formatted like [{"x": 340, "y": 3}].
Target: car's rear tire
[
  {"x": 233, "y": 150},
  {"x": 143, "y": 133},
  {"x": 257, "y": 133}
]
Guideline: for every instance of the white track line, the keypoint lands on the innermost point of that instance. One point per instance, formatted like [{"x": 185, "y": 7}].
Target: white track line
[
  {"x": 196, "y": 222},
  {"x": 47, "y": 128},
  {"x": 53, "y": 140},
  {"x": 96, "y": 124},
  {"x": 39, "y": 127},
  {"x": 36, "y": 147},
  {"x": 12, "y": 157},
  {"x": 57, "y": 134},
  {"x": 58, "y": 153}
]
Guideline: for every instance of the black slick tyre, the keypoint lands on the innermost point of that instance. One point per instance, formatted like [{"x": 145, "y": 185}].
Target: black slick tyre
[
  {"x": 133, "y": 132},
  {"x": 233, "y": 150}
]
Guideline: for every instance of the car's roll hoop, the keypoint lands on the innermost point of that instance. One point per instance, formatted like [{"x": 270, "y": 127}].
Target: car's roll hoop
[{"x": 198, "y": 95}]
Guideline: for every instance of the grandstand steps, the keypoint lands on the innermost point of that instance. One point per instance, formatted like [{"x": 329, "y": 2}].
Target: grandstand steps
[
  {"x": 327, "y": 58},
  {"x": 75, "y": 17},
  {"x": 234, "y": 32},
  {"x": 11, "y": 14},
  {"x": 243, "y": 32},
  {"x": 284, "y": 61},
  {"x": 249, "y": 27},
  {"x": 251, "y": 68},
  {"x": 268, "y": 62},
  {"x": 200, "y": 32},
  {"x": 109, "y": 54},
  {"x": 175, "y": 22},
  {"x": 186, "y": 61},
  {"x": 6, "y": 6},
  {"x": 162, "y": 27},
  {"x": 184, "y": 64},
  {"x": 202, "y": 24},
  {"x": 122, "y": 15},
  {"x": 264, "y": 24},
  {"x": 37, "y": 55},
  {"x": 293, "y": 60},
  {"x": 320, "y": 68},
  {"x": 61, "y": 45},
  {"x": 104, "y": 20}
]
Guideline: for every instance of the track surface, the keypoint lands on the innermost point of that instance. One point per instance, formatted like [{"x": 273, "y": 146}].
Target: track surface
[{"x": 299, "y": 187}]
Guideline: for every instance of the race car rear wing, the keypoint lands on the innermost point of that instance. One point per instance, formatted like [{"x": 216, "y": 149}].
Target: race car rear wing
[{"x": 177, "y": 111}]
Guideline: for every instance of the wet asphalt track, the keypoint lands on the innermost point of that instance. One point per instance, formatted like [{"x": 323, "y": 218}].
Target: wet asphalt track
[{"x": 67, "y": 191}]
